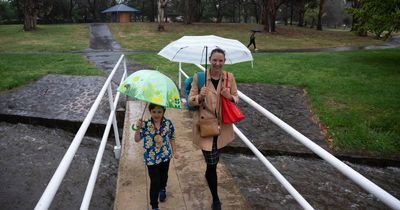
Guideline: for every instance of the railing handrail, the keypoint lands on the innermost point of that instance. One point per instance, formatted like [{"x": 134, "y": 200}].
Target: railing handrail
[
  {"x": 96, "y": 166},
  {"x": 51, "y": 189},
  {"x": 356, "y": 177}
]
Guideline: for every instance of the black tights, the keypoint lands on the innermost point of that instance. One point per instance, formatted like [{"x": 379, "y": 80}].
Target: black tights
[
  {"x": 158, "y": 181},
  {"x": 212, "y": 180}
]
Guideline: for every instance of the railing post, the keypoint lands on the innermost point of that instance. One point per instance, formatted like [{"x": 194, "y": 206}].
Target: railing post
[
  {"x": 117, "y": 147},
  {"x": 180, "y": 76}
]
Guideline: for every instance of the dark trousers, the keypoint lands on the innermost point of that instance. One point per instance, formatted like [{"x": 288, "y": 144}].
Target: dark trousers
[
  {"x": 158, "y": 181},
  {"x": 252, "y": 41}
]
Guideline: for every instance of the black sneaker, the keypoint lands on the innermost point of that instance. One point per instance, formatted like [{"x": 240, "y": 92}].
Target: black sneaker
[
  {"x": 163, "y": 195},
  {"x": 216, "y": 206}
]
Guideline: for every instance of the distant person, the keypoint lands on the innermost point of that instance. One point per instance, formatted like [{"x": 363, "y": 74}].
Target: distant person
[
  {"x": 158, "y": 136},
  {"x": 207, "y": 99},
  {"x": 252, "y": 40}
]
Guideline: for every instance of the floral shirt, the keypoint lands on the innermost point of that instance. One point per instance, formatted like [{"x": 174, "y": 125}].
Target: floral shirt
[{"x": 153, "y": 153}]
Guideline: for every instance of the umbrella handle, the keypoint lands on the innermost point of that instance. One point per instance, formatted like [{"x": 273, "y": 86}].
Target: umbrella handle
[{"x": 134, "y": 128}]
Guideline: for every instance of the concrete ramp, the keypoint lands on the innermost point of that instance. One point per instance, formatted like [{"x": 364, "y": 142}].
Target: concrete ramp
[{"x": 187, "y": 187}]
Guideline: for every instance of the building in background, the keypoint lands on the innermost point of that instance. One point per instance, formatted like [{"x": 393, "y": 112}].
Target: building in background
[{"x": 121, "y": 13}]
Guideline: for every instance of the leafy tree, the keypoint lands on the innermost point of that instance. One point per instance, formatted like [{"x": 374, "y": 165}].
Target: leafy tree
[
  {"x": 7, "y": 13},
  {"x": 377, "y": 17}
]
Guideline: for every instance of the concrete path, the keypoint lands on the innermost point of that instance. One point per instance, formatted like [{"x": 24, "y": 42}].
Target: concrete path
[{"x": 187, "y": 187}]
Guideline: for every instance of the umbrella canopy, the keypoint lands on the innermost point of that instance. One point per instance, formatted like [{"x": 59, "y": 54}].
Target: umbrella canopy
[
  {"x": 192, "y": 49},
  {"x": 151, "y": 86}
]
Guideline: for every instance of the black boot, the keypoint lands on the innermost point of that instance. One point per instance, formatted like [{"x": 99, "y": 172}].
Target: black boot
[{"x": 216, "y": 206}]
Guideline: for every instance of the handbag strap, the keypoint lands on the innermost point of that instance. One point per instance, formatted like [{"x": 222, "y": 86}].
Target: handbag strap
[{"x": 227, "y": 78}]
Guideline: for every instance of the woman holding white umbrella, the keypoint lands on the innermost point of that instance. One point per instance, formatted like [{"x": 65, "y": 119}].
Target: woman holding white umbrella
[{"x": 208, "y": 101}]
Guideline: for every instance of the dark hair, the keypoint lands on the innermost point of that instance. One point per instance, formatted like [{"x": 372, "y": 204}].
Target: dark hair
[
  {"x": 152, "y": 106},
  {"x": 217, "y": 50}
]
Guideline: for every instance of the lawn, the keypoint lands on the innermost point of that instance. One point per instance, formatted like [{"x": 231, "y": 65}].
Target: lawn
[
  {"x": 28, "y": 56},
  {"x": 20, "y": 69},
  {"x": 47, "y": 38},
  {"x": 144, "y": 36}
]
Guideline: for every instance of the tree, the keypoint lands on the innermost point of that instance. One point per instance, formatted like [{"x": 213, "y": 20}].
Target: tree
[
  {"x": 30, "y": 15},
  {"x": 269, "y": 16},
  {"x": 161, "y": 14},
  {"x": 188, "y": 11},
  {"x": 319, "y": 24},
  {"x": 377, "y": 17}
]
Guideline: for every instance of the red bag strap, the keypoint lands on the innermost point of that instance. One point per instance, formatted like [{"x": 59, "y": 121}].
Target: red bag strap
[{"x": 226, "y": 83}]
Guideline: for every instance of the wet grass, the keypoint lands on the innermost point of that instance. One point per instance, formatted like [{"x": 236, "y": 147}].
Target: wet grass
[
  {"x": 355, "y": 94},
  {"x": 28, "y": 56},
  {"x": 20, "y": 69},
  {"x": 145, "y": 37},
  {"x": 47, "y": 38}
]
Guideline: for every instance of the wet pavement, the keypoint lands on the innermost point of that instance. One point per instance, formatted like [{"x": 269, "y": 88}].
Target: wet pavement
[
  {"x": 317, "y": 181},
  {"x": 31, "y": 153},
  {"x": 63, "y": 101}
]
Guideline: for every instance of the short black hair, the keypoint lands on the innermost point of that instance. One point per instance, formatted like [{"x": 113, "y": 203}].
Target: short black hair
[
  {"x": 152, "y": 106},
  {"x": 217, "y": 50}
]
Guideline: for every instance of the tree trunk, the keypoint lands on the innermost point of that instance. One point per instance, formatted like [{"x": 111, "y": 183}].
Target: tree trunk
[
  {"x": 218, "y": 7},
  {"x": 188, "y": 12},
  {"x": 319, "y": 24},
  {"x": 70, "y": 9},
  {"x": 269, "y": 16},
  {"x": 161, "y": 14},
  {"x": 291, "y": 12},
  {"x": 301, "y": 11},
  {"x": 30, "y": 15}
]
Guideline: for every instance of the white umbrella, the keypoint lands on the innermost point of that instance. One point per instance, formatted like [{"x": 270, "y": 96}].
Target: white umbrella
[{"x": 194, "y": 49}]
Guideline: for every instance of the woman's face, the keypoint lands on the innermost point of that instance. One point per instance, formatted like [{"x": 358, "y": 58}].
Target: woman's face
[
  {"x": 157, "y": 113},
  {"x": 217, "y": 61}
]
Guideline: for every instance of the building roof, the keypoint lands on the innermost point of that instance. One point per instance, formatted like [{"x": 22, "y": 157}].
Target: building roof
[{"x": 120, "y": 8}]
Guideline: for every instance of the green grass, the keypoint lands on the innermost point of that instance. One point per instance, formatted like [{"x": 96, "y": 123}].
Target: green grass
[
  {"x": 144, "y": 36},
  {"x": 20, "y": 69},
  {"x": 355, "y": 94},
  {"x": 47, "y": 38}
]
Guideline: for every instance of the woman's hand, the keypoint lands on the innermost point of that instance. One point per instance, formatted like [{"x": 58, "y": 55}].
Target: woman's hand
[
  {"x": 176, "y": 155},
  {"x": 226, "y": 92},
  {"x": 203, "y": 93}
]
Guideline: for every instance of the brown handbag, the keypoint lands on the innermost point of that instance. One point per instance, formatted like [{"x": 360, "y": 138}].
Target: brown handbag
[{"x": 209, "y": 127}]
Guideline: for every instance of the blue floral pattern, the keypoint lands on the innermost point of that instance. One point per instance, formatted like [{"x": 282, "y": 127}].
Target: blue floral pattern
[{"x": 152, "y": 155}]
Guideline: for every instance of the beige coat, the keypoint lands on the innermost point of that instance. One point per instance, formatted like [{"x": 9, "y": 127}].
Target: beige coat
[{"x": 207, "y": 107}]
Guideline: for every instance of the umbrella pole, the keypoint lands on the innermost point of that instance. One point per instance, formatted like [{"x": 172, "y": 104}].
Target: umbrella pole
[{"x": 205, "y": 74}]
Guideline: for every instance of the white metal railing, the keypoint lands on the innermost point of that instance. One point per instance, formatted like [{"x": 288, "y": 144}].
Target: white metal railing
[
  {"x": 54, "y": 184},
  {"x": 356, "y": 177}
]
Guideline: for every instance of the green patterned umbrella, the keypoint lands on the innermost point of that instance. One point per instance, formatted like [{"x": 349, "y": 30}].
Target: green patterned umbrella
[{"x": 151, "y": 86}]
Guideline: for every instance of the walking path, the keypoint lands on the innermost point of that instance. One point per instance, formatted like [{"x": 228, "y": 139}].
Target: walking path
[{"x": 187, "y": 186}]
